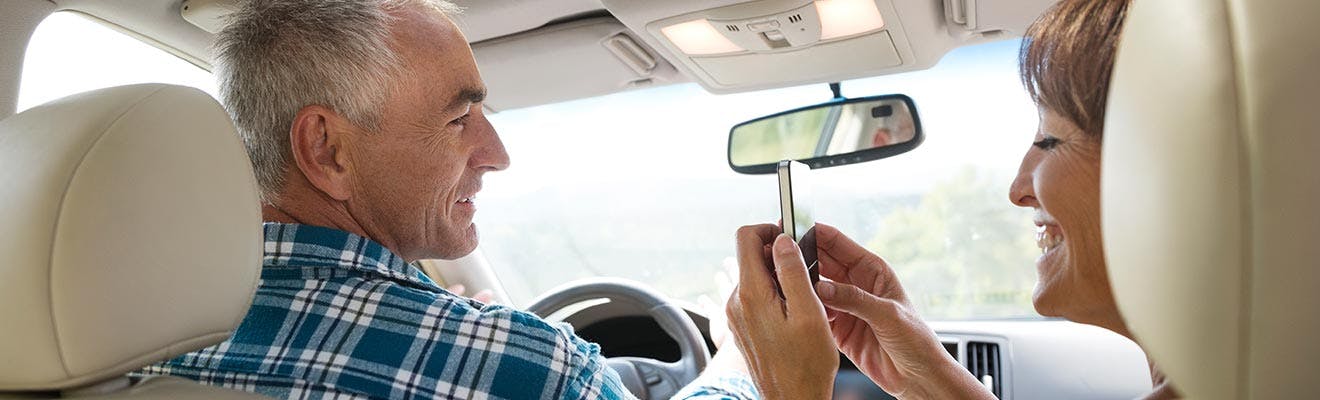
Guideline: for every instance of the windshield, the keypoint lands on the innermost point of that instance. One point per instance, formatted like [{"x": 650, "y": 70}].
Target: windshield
[{"x": 636, "y": 185}]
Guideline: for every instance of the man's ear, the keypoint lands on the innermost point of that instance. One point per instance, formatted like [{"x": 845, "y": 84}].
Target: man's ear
[{"x": 318, "y": 138}]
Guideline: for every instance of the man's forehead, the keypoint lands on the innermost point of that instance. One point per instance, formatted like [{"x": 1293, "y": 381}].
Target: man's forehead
[
  {"x": 434, "y": 50},
  {"x": 425, "y": 33}
]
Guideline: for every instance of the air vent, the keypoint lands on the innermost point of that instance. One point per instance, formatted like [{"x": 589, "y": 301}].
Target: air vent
[
  {"x": 983, "y": 361},
  {"x": 732, "y": 28},
  {"x": 795, "y": 18}
]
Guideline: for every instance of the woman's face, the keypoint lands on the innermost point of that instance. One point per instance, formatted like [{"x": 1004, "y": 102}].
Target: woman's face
[{"x": 1060, "y": 179}]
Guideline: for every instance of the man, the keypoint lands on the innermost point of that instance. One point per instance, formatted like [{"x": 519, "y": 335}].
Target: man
[{"x": 364, "y": 122}]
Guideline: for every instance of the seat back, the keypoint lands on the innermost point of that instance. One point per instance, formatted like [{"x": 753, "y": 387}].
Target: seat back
[
  {"x": 1210, "y": 189},
  {"x": 131, "y": 234}
]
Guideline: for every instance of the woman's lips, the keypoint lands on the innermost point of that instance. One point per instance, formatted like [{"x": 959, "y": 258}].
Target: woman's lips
[{"x": 1048, "y": 237}]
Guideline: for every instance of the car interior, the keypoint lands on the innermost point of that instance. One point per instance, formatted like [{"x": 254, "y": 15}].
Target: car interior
[{"x": 619, "y": 212}]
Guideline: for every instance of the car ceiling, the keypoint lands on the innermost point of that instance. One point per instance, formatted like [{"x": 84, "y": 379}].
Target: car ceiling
[
  {"x": 546, "y": 51},
  {"x": 481, "y": 20}
]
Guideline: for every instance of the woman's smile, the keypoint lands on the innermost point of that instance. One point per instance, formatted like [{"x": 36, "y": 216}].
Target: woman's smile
[{"x": 1049, "y": 235}]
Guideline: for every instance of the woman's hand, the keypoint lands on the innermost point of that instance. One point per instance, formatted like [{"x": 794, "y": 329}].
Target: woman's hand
[
  {"x": 786, "y": 342},
  {"x": 874, "y": 324}
]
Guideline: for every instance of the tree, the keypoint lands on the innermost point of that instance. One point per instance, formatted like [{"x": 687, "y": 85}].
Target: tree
[{"x": 962, "y": 250}]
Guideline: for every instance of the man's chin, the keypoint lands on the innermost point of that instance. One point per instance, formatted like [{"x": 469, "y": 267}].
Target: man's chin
[
  {"x": 462, "y": 244},
  {"x": 450, "y": 244}
]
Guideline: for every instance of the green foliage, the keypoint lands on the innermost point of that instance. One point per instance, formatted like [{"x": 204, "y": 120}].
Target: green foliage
[
  {"x": 962, "y": 251},
  {"x": 789, "y": 137}
]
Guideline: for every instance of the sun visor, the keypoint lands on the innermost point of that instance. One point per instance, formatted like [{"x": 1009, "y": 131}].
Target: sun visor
[
  {"x": 568, "y": 61},
  {"x": 774, "y": 43}
]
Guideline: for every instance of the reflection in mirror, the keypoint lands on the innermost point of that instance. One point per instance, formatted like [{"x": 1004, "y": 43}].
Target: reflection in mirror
[{"x": 834, "y": 133}]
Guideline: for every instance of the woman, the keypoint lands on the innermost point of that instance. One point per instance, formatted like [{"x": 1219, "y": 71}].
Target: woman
[{"x": 789, "y": 344}]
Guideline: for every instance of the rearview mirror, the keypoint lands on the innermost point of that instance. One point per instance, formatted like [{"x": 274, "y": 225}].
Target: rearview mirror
[{"x": 839, "y": 132}]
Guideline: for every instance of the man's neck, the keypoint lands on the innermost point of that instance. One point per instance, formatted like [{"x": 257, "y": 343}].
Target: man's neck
[
  {"x": 299, "y": 205},
  {"x": 329, "y": 218}
]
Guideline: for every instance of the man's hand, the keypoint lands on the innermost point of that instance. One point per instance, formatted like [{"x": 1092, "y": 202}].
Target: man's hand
[
  {"x": 874, "y": 324},
  {"x": 485, "y": 296},
  {"x": 786, "y": 342}
]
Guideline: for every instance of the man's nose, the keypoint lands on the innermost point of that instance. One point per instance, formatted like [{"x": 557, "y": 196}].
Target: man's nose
[{"x": 491, "y": 155}]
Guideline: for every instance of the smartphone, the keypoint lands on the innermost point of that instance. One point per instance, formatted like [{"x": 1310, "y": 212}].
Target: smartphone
[{"x": 795, "y": 207}]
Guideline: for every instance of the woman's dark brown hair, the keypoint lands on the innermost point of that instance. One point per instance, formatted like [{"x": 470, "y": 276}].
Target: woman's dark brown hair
[{"x": 1067, "y": 57}]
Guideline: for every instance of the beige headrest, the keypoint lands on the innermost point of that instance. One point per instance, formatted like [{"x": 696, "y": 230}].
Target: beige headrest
[
  {"x": 1211, "y": 193},
  {"x": 131, "y": 233}
]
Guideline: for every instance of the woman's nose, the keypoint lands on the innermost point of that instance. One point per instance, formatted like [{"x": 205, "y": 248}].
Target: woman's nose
[{"x": 1022, "y": 192}]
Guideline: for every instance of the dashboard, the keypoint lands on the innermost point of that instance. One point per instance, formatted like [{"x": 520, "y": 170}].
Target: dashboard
[{"x": 1016, "y": 359}]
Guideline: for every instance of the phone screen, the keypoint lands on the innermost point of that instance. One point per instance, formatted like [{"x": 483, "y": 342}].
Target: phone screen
[{"x": 799, "y": 220}]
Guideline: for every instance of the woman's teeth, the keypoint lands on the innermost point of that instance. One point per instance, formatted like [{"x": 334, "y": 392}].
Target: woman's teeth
[{"x": 1047, "y": 239}]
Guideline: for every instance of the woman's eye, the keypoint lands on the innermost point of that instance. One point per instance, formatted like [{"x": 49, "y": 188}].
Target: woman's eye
[{"x": 1046, "y": 143}]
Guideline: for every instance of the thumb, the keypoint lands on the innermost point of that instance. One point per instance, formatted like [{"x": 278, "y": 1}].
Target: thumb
[
  {"x": 889, "y": 319},
  {"x": 793, "y": 278}
]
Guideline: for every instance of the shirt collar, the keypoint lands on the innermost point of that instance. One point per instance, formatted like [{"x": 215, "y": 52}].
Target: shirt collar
[{"x": 296, "y": 245}]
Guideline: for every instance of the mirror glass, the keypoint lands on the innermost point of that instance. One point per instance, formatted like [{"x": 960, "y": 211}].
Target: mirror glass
[{"x": 835, "y": 133}]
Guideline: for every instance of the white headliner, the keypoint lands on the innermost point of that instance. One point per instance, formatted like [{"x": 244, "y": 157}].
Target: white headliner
[
  {"x": 491, "y": 22},
  {"x": 160, "y": 20}
]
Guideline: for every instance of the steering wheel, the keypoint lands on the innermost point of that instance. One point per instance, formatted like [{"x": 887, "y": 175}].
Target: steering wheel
[{"x": 644, "y": 377}]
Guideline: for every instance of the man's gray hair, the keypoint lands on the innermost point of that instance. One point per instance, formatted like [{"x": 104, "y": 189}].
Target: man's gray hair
[{"x": 275, "y": 57}]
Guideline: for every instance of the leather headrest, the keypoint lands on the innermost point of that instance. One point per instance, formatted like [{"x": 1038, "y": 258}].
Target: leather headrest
[
  {"x": 1210, "y": 193},
  {"x": 131, "y": 234}
]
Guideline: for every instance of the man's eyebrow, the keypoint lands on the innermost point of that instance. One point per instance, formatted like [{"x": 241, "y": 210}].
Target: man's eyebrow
[{"x": 468, "y": 96}]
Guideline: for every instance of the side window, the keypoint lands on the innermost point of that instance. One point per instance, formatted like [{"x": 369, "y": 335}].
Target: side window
[{"x": 71, "y": 53}]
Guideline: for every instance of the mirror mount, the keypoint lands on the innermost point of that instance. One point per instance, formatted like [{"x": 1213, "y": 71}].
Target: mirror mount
[{"x": 837, "y": 90}]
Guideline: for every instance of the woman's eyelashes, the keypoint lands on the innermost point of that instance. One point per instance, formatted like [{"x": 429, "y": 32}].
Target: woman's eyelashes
[{"x": 1046, "y": 143}]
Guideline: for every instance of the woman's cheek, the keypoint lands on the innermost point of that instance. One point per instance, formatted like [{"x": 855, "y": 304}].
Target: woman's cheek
[{"x": 1068, "y": 187}]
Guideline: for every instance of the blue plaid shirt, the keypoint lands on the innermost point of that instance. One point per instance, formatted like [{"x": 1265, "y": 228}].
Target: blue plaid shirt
[{"x": 339, "y": 316}]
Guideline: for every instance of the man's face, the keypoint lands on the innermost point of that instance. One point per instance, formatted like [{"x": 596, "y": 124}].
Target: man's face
[{"x": 414, "y": 181}]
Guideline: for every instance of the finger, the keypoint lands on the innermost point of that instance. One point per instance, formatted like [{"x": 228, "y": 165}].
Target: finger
[
  {"x": 485, "y": 296},
  {"x": 843, "y": 260},
  {"x": 458, "y": 289},
  {"x": 794, "y": 281},
  {"x": 846, "y": 271},
  {"x": 753, "y": 278},
  {"x": 832, "y": 243},
  {"x": 888, "y": 318},
  {"x": 769, "y": 254}
]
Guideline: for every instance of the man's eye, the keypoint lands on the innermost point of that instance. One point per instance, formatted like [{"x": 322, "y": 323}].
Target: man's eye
[
  {"x": 461, "y": 120},
  {"x": 1046, "y": 143}
]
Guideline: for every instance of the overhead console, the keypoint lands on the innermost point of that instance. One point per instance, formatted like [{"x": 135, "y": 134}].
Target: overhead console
[
  {"x": 740, "y": 46},
  {"x": 735, "y": 46}
]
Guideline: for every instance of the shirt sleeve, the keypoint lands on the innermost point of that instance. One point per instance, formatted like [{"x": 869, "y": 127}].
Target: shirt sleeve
[
  {"x": 539, "y": 360},
  {"x": 731, "y": 385}
]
